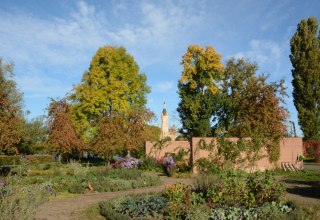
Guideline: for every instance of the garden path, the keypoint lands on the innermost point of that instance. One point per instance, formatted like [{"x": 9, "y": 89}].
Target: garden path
[
  {"x": 302, "y": 192},
  {"x": 71, "y": 208}
]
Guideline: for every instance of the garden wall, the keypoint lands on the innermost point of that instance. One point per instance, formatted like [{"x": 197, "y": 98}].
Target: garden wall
[
  {"x": 170, "y": 147},
  {"x": 290, "y": 150}
]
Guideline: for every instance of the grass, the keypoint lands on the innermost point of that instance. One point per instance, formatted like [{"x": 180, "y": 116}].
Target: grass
[
  {"x": 311, "y": 163},
  {"x": 302, "y": 175},
  {"x": 92, "y": 213}
]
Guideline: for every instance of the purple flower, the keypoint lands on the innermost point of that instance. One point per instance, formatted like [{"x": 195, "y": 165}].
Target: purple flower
[
  {"x": 3, "y": 184},
  {"x": 129, "y": 162},
  {"x": 170, "y": 162}
]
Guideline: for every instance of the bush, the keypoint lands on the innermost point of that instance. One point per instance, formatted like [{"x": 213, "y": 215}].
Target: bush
[
  {"x": 181, "y": 159},
  {"x": 150, "y": 164},
  {"x": 109, "y": 213},
  {"x": 237, "y": 188},
  {"x": 39, "y": 159},
  {"x": 29, "y": 159},
  {"x": 18, "y": 201},
  {"x": 143, "y": 206},
  {"x": 168, "y": 164},
  {"x": 205, "y": 165},
  {"x": 127, "y": 162},
  {"x": 9, "y": 160},
  {"x": 180, "y": 201},
  {"x": 266, "y": 211},
  {"x": 177, "y": 192}
]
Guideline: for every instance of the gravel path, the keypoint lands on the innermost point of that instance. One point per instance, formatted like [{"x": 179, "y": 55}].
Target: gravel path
[{"x": 71, "y": 208}]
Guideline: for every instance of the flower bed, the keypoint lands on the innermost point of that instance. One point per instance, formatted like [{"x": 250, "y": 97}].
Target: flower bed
[{"x": 230, "y": 195}]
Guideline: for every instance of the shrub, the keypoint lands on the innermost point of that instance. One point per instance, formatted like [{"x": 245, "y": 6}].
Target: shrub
[
  {"x": 109, "y": 213},
  {"x": 177, "y": 192},
  {"x": 150, "y": 164},
  {"x": 181, "y": 159},
  {"x": 205, "y": 165},
  {"x": 180, "y": 200},
  {"x": 39, "y": 159},
  {"x": 127, "y": 162},
  {"x": 237, "y": 188},
  {"x": 18, "y": 201},
  {"x": 9, "y": 160},
  {"x": 29, "y": 159},
  {"x": 266, "y": 211},
  {"x": 168, "y": 164},
  {"x": 135, "y": 206},
  {"x": 143, "y": 206}
]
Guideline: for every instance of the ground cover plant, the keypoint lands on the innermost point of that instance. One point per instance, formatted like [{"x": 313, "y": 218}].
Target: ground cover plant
[
  {"x": 19, "y": 201},
  {"x": 24, "y": 187},
  {"x": 232, "y": 194},
  {"x": 74, "y": 178}
]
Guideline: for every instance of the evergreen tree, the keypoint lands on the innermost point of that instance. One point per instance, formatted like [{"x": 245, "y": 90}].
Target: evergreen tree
[{"x": 305, "y": 59}]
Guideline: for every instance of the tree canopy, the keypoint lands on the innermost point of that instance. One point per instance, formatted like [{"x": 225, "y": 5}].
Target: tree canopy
[
  {"x": 305, "y": 59},
  {"x": 62, "y": 135},
  {"x": 122, "y": 132},
  {"x": 35, "y": 135},
  {"x": 202, "y": 68},
  {"x": 112, "y": 84},
  {"x": 11, "y": 115},
  {"x": 250, "y": 107}
]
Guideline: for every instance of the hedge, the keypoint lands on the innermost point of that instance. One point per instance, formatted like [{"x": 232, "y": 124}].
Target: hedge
[{"x": 29, "y": 159}]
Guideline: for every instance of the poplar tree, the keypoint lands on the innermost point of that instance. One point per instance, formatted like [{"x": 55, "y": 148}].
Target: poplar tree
[
  {"x": 202, "y": 69},
  {"x": 305, "y": 59}
]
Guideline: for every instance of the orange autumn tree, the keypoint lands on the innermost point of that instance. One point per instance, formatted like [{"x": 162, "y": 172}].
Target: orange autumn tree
[
  {"x": 62, "y": 135},
  {"x": 11, "y": 116},
  {"x": 250, "y": 106},
  {"x": 122, "y": 132}
]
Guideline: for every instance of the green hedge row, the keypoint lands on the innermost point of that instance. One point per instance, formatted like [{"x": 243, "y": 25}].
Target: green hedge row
[{"x": 30, "y": 159}]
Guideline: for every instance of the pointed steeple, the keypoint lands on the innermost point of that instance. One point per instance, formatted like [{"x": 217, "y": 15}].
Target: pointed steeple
[{"x": 164, "y": 111}]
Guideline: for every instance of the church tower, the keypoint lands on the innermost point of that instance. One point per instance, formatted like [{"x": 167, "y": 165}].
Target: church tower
[{"x": 164, "y": 123}]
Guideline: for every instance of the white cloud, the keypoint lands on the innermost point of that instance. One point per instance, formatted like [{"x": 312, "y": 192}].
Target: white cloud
[
  {"x": 263, "y": 52},
  {"x": 51, "y": 54},
  {"x": 164, "y": 86},
  {"x": 42, "y": 87}
]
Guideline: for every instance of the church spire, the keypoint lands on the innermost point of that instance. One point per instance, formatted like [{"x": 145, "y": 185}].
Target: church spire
[{"x": 164, "y": 111}]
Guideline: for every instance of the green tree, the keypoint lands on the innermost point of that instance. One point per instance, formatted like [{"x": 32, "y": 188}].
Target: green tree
[
  {"x": 250, "y": 107},
  {"x": 34, "y": 140},
  {"x": 305, "y": 59},
  {"x": 113, "y": 84},
  {"x": 11, "y": 115},
  {"x": 202, "y": 69},
  {"x": 153, "y": 132},
  {"x": 62, "y": 137}
]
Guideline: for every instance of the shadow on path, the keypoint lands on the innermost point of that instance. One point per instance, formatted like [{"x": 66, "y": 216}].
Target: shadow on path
[{"x": 302, "y": 188}]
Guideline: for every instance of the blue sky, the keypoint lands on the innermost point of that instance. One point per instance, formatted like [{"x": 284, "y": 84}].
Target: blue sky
[{"x": 53, "y": 42}]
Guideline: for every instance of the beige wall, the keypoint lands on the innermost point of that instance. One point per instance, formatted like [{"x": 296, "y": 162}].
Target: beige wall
[
  {"x": 170, "y": 147},
  {"x": 290, "y": 150}
]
